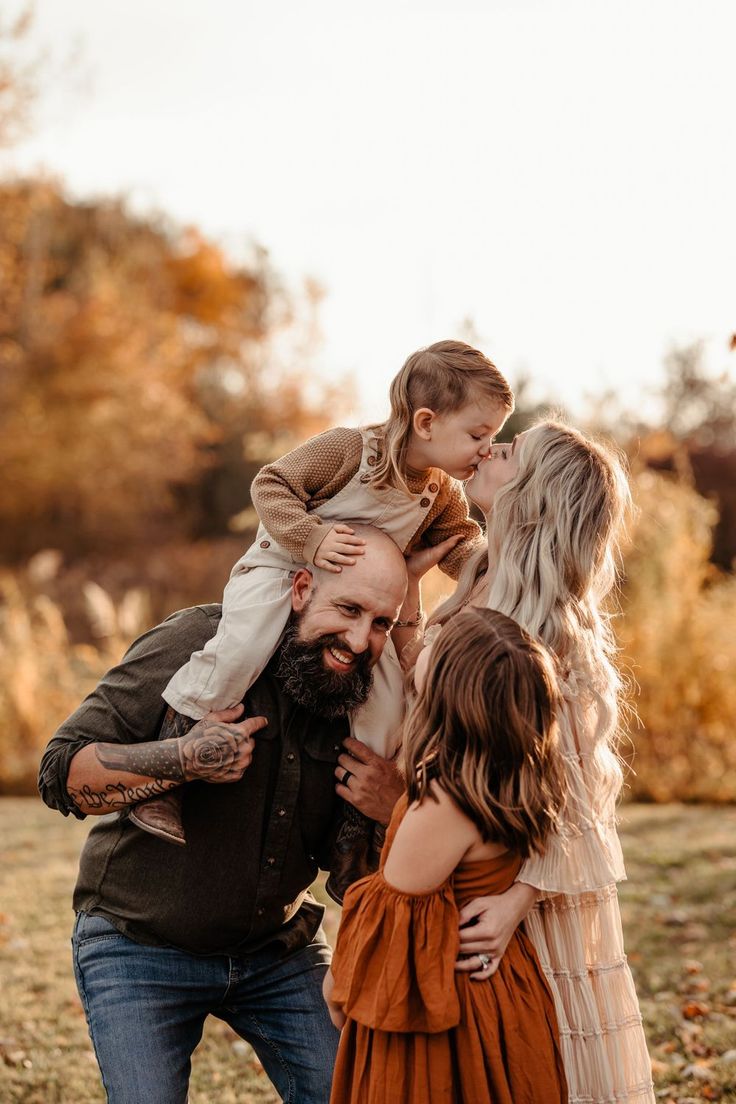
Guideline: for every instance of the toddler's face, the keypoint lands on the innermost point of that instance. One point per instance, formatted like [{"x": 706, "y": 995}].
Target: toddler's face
[{"x": 461, "y": 440}]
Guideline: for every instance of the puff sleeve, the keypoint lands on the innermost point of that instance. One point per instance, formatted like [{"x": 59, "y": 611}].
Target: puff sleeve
[{"x": 395, "y": 956}]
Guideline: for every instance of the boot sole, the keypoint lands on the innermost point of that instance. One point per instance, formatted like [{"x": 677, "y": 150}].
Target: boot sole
[{"x": 180, "y": 841}]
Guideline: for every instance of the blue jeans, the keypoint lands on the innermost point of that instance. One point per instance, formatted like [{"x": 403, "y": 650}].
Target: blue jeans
[{"x": 146, "y": 1008}]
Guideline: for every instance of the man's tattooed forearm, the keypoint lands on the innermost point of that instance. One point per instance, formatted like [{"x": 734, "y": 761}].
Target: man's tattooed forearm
[
  {"x": 209, "y": 750},
  {"x": 116, "y": 795},
  {"x": 154, "y": 760}
]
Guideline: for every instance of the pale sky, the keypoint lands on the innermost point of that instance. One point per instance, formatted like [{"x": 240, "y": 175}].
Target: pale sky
[{"x": 561, "y": 171}]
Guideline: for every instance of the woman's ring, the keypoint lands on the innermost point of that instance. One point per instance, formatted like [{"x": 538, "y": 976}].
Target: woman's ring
[
  {"x": 346, "y": 777},
  {"x": 485, "y": 961}
]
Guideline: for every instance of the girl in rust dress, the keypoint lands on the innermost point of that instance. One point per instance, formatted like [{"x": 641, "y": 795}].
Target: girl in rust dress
[{"x": 484, "y": 790}]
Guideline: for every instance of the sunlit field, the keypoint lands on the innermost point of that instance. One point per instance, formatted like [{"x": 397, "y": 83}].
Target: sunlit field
[{"x": 679, "y": 914}]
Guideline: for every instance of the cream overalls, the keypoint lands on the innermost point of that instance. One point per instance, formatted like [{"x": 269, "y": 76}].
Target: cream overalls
[{"x": 257, "y": 605}]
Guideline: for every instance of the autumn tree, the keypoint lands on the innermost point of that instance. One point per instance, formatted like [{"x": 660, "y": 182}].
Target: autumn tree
[{"x": 130, "y": 350}]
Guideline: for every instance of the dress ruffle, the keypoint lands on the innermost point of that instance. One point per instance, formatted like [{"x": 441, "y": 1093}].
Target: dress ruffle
[
  {"x": 576, "y": 930},
  {"x": 579, "y": 942},
  {"x": 580, "y": 857},
  {"x": 394, "y": 961}
]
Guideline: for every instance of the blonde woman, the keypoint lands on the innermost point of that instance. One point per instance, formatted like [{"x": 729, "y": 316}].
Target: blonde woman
[{"x": 556, "y": 504}]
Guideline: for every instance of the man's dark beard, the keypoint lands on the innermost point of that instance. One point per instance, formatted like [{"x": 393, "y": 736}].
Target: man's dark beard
[{"x": 303, "y": 676}]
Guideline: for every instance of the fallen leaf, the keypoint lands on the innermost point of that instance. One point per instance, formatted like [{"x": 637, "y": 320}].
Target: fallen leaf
[{"x": 693, "y": 1010}]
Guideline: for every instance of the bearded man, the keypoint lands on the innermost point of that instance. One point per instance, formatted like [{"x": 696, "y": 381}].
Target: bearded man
[{"x": 166, "y": 936}]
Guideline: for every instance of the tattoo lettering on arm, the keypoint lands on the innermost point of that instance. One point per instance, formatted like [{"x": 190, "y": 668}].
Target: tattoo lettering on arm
[{"x": 117, "y": 796}]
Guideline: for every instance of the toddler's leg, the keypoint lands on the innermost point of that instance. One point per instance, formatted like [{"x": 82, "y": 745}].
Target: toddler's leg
[
  {"x": 256, "y": 607},
  {"x": 161, "y": 816},
  {"x": 378, "y": 722},
  {"x": 358, "y": 841}
]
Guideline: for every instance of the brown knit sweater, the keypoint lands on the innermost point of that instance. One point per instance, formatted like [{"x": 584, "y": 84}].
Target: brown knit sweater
[{"x": 286, "y": 492}]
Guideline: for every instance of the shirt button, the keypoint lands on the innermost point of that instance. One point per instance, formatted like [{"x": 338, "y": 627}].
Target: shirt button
[
  {"x": 290, "y": 757},
  {"x": 282, "y": 812},
  {"x": 260, "y": 912},
  {"x": 424, "y": 502},
  {"x": 365, "y": 478},
  {"x": 270, "y": 861},
  {"x": 265, "y": 544},
  {"x": 433, "y": 488},
  {"x": 336, "y": 747}
]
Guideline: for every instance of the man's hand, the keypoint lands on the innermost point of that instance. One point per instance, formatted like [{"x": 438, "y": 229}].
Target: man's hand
[
  {"x": 374, "y": 784},
  {"x": 340, "y": 546},
  {"x": 496, "y": 920},
  {"x": 216, "y": 749}
]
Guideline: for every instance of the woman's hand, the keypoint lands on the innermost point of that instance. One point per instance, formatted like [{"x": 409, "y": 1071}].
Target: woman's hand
[
  {"x": 337, "y": 1015},
  {"x": 486, "y": 926},
  {"x": 424, "y": 559}
]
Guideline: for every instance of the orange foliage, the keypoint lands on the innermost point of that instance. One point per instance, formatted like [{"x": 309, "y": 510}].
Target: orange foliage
[{"x": 127, "y": 352}]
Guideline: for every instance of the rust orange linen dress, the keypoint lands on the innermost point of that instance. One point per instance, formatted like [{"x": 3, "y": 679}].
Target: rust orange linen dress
[{"x": 417, "y": 1031}]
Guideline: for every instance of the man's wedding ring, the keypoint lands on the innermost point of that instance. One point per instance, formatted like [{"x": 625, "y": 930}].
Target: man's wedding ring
[
  {"x": 485, "y": 961},
  {"x": 346, "y": 777}
]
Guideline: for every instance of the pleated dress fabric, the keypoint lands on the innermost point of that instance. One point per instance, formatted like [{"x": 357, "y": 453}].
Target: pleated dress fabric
[
  {"x": 576, "y": 930},
  {"x": 419, "y": 1032}
]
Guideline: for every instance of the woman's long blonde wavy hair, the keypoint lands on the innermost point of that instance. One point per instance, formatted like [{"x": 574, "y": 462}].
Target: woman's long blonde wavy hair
[
  {"x": 443, "y": 377},
  {"x": 552, "y": 556},
  {"x": 484, "y": 727}
]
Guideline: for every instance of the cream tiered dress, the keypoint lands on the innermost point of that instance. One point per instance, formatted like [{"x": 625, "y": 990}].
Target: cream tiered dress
[
  {"x": 575, "y": 925},
  {"x": 576, "y": 930}
]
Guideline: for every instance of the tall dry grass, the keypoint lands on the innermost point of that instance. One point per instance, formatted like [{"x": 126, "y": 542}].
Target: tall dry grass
[
  {"x": 676, "y": 631},
  {"x": 678, "y": 638},
  {"x": 43, "y": 675}
]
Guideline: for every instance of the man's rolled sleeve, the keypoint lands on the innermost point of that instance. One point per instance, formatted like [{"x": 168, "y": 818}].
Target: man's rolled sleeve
[{"x": 126, "y": 707}]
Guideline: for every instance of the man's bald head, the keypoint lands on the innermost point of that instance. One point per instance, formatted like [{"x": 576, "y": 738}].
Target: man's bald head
[{"x": 382, "y": 563}]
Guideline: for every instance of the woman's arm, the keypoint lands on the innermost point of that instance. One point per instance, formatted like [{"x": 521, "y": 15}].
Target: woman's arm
[
  {"x": 488, "y": 923},
  {"x": 408, "y": 635}
]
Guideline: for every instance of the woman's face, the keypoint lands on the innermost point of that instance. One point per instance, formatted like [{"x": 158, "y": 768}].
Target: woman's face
[{"x": 495, "y": 472}]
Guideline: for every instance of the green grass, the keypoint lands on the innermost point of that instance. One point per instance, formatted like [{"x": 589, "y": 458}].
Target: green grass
[{"x": 679, "y": 910}]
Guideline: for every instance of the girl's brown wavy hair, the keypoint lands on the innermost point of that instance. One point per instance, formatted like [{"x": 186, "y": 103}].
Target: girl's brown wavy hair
[{"x": 483, "y": 726}]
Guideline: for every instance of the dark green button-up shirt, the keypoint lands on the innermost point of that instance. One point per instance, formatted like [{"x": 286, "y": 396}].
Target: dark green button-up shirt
[{"x": 253, "y": 846}]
